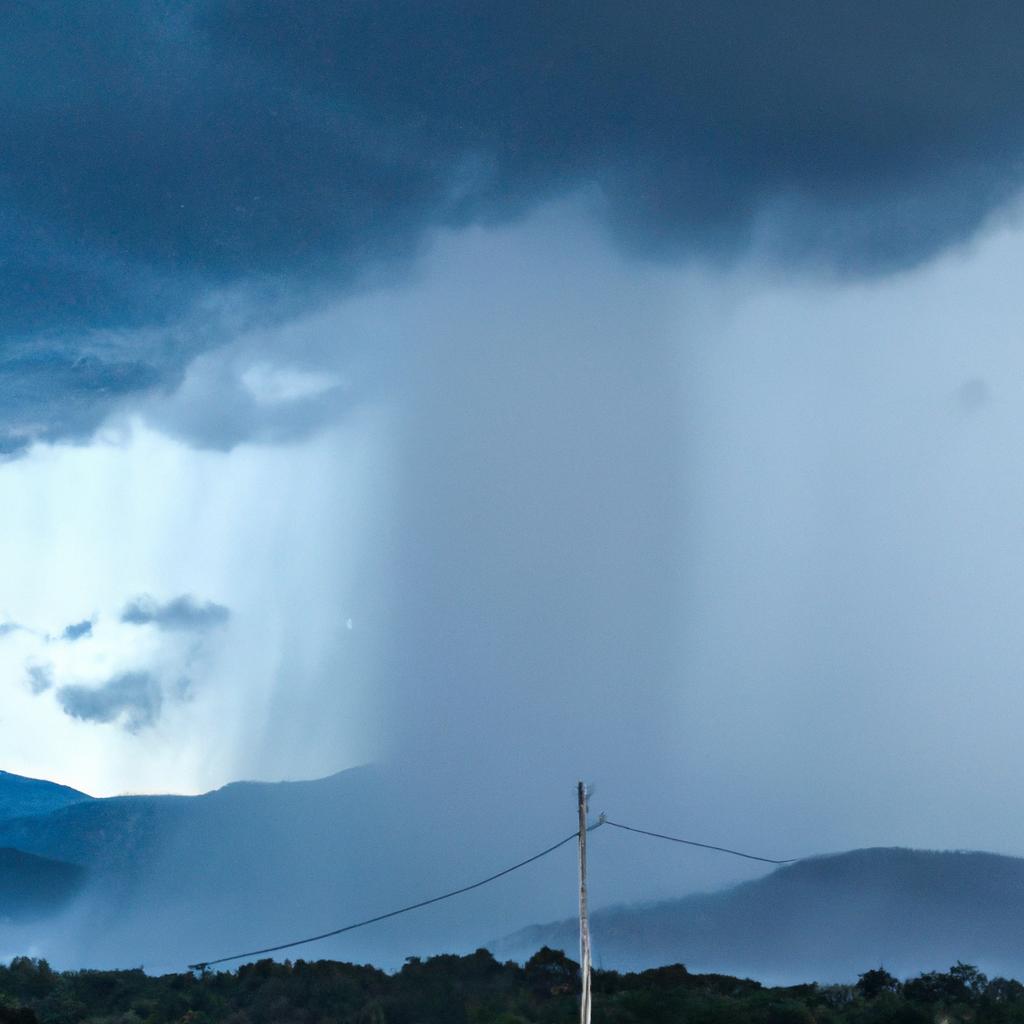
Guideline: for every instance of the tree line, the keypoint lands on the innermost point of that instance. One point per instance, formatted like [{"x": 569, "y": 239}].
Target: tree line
[{"x": 477, "y": 989}]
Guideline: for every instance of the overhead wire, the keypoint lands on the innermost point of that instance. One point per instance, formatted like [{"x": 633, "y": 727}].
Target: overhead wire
[
  {"x": 202, "y": 965},
  {"x": 691, "y": 842}
]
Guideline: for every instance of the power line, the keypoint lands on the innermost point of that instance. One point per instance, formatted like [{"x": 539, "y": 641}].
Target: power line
[
  {"x": 203, "y": 964},
  {"x": 703, "y": 846},
  {"x": 603, "y": 820}
]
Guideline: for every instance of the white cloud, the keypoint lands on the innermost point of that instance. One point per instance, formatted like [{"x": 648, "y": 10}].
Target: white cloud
[{"x": 274, "y": 385}]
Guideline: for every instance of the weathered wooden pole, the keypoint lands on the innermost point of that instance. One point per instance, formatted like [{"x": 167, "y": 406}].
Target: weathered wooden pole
[{"x": 581, "y": 792}]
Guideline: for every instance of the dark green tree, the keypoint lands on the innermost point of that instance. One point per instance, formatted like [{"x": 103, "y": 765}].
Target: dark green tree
[{"x": 873, "y": 983}]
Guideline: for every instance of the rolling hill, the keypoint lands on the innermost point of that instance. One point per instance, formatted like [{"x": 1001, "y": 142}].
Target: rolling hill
[{"x": 826, "y": 918}]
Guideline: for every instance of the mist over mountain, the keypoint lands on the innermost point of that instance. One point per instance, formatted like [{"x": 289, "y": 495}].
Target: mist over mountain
[
  {"x": 172, "y": 880},
  {"x": 827, "y": 918},
  {"x": 32, "y": 887}
]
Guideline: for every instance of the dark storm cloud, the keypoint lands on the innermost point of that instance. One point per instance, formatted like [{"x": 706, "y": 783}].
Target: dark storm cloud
[
  {"x": 153, "y": 153},
  {"x": 133, "y": 697},
  {"x": 54, "y": 390},
  {"x": 77, "y": 630},
  {"x": 181, "y": 613}
]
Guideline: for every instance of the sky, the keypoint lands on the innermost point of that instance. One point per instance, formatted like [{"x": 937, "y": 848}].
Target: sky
[{"x": 537, "y": 390}]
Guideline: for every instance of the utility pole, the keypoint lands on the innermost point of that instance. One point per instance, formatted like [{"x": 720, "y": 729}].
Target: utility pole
[{"x": 581, "y": 792}]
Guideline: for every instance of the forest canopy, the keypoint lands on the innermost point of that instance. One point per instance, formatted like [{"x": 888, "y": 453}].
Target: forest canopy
[{"x": 477, "y": 989}]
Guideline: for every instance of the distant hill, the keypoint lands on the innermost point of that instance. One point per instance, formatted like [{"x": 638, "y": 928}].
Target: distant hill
[
  {"x": 35, "y": 887},
  {"x": 827, "y": 918},
  {"x": 21, "y": 797}
]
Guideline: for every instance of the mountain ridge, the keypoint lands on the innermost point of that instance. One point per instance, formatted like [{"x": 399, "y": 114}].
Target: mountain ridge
[
  {"x": 839, "y": 913},
  {"x": 21, "y": 796}
]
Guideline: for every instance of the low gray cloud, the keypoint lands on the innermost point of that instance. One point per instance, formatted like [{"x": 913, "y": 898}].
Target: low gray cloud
[
  {"x": 6, "y": 628},
  {"x": 40, "y": 678},
  {"x": 134, "y": 698},
  {"x": 182, "y": 613},
  {"x": 214, "y": 407},
  {"x": 77, "y": 630},
  {"x": 183, "y": 689}
]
